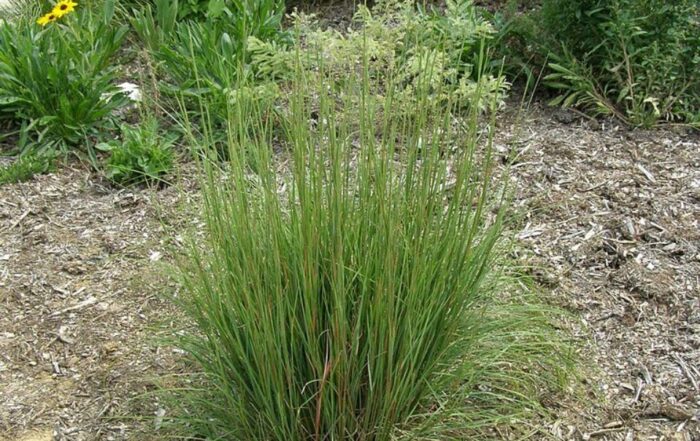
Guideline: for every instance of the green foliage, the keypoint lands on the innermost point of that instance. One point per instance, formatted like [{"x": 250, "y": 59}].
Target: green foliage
[
  {"x": 198, "y": 9},
  {"x": 155, "y": 23},
  {"x": 354, "y": 294},
  {"x": 443, "y": 51},
  {"x": 207, "y": 10},
  {"x": 141, "y": 156},
  {"x": 517, "y": 34},
  {"x": 25, "y": 167},
  {"x": 201, "y": 59},
  {"x": 57, "y": 83},
  {"x": 637, "y": 59}
]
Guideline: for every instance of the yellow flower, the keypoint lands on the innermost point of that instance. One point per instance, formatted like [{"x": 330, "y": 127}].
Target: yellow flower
[
  {"x": 63, "y": 7},
  {"x": 46, "y": 19}
]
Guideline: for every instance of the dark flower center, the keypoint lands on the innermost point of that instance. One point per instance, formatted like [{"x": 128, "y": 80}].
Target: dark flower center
[
  {"x": 63, "y": 7},
  {"x": 52, "y": 17}
]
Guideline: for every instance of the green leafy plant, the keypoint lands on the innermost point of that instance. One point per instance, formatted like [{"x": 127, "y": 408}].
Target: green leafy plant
[
  {"x": 25, "y": 167},
  {"x": 141, "y": 156},
  {"x": 155, "y": 23},
  {"x": 516, "y": 35},
  {"x": 636, "y": 59},
  {"x": 57, "y": 82},
  {"x": 354, "y": 295},
  {"x": 198, "y": 9},
  {"x": 443, "y": 50},
  {"x": 201, "y": 59}
]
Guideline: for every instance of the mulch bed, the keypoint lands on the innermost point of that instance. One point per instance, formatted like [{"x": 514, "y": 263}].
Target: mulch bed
[{"x": 609, "y": 226}]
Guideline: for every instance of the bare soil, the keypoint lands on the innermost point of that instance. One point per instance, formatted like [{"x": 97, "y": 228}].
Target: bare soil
[{"x": 609, "y": 225}]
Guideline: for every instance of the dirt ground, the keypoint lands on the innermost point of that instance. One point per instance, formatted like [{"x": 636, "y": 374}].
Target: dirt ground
[
  {"x": 80, "y": 293},
  {"x": 609, "y": 225}
]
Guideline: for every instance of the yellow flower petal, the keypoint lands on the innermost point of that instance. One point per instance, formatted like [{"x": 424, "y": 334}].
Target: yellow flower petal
[
  {"x": 64, "y": 7},
  {"x": 46, "y": 19}
]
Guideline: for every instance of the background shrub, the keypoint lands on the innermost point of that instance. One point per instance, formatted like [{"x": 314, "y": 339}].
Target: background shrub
[
  {"x": 638, "y": 59},
  {"x": 517, "y": 42},
  {"x": 441, "y": 50}
]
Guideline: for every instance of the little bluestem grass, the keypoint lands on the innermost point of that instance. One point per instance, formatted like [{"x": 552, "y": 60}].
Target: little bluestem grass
[{"x": 349, "y": 289}]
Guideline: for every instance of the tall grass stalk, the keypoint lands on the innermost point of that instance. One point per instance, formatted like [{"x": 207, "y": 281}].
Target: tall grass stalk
[{"x": 344, "y": 289}]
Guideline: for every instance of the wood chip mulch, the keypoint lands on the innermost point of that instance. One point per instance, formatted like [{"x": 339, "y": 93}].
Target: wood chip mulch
[{"x": 610, "y": 225}]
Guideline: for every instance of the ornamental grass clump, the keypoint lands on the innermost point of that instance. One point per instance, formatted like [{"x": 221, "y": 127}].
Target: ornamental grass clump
[{"x": 348, "y": 289}]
